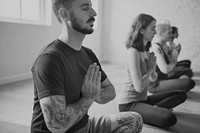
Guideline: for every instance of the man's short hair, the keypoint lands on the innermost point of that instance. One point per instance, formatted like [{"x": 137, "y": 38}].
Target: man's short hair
[
  {"x": 162, "y": 26},
  {"x": 57, "y": 4}
]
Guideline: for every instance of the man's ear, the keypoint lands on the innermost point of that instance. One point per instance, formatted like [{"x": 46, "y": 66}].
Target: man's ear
[{"x": 64, "y": 14}]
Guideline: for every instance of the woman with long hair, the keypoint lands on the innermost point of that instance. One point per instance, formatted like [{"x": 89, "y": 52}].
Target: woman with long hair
[{"x": 140, "y": 75}]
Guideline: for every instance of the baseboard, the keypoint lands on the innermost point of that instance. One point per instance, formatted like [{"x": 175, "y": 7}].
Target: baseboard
[{"x": 15, "y": 78}]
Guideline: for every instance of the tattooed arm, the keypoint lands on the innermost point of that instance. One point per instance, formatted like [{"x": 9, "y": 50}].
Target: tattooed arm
[{"x": 58, "y": 116}]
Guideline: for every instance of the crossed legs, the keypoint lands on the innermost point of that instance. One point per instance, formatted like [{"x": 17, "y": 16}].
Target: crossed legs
[
  {"x": 155, "y": 110},
  {"x": 184, "y": 84}
]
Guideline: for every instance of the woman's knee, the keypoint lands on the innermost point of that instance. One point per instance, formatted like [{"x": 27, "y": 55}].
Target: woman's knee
[
  {"x": 188, "y": 84},
  {"x": 189, "y": 63},
  {"x": 168, "y": 120},
  {"x": 182, "y": 97},
  {"x": 189, "y": 73},
  {"x": 191, "y": 84}
]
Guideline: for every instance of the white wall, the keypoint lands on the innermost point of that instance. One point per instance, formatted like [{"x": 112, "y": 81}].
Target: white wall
[
  {"x": 21, "y": 43},
  {"x": 19, "y": 46},
  {"x": 119, "y": 14}
]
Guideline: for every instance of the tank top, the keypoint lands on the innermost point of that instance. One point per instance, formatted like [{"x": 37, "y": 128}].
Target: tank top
[
  {"x": 128, "y": 92},
  {"x": 162, "y": 75}
]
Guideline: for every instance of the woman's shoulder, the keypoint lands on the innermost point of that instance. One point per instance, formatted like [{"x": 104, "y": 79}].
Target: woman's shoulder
[
  {"x": 134, "y": 53},
  {"x": 133, "y": 50},
  {"x": 155, "y": 46}
]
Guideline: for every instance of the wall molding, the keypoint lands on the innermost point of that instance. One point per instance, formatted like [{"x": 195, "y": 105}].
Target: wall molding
[{"x": 15, "y": 78}]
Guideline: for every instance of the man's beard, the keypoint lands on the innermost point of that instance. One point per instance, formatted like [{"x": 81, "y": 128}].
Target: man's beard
[{"x": 77, "y": 26}]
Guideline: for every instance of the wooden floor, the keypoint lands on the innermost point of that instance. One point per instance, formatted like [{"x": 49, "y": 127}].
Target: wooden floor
[{"x": 16, "y": 102}]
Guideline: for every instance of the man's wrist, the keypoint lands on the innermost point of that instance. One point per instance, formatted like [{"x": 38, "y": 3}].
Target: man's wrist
[{"x": 89, "y": 99}]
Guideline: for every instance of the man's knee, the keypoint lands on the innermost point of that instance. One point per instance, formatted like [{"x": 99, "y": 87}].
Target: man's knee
[
  {"x": 136, "y": 116},
  {"x": 126, "y": 122},
  {"x": 136, "y": 121},
  {"x": 130, "y": 117}
]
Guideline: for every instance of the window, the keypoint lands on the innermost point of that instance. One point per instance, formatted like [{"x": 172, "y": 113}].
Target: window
[{"x": 26, "y": 11}]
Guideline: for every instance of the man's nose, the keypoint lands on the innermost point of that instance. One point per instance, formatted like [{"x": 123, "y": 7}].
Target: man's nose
[{"x": 93, "y": 12}]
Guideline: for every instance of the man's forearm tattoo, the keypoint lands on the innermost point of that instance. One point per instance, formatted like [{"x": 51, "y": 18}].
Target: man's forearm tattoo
[
  {"x": 55, "y": 112},
  {"x": 62, "y": 116}
]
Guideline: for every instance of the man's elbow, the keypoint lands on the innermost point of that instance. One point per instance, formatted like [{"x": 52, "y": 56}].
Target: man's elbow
[
  {"x": 110, "y": 98},
  {"x": 104, "y": 100},
  {"x": 113, "y": 95}
]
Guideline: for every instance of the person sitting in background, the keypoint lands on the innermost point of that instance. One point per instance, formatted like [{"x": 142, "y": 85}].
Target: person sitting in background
[
  {"x": 140, "y": 73},
  {"x": 68, "y": 79},
  {"x": 173, "y": 44},
  {"x": 170, "y": 77}
]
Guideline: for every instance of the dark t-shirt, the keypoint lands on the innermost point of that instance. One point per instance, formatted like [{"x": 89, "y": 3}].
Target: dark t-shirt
[{"x": 60, "y": 70}]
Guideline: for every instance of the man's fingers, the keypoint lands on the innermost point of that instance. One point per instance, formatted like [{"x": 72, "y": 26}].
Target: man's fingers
[
  {"x": 98, "y": 80},
  {"x": 95, "y": 73},
  {"x": 88, "y": 72},
  {"x": 91, "y": 71}
]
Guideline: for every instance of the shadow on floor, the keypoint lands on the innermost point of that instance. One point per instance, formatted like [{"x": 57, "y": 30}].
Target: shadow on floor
[
  {"x": 197, "y": 74},
  {"x": 197, "y": 82},
  {"x": 193, "y": 96},
  {"x": 187, "y": 123}
]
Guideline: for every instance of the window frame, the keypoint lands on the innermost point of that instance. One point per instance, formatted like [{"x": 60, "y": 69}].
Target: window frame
[{"x": 45, "y": 16}]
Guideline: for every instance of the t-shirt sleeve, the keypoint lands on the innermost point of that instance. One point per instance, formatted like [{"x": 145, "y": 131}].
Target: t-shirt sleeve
[{"x": 48, "y": 76}]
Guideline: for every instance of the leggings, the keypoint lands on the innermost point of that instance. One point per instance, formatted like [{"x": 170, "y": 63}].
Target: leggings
[
  {"x": 184, "y": 63},
  {"x": 155, "y": 110},
  {"x": 182, "y": 68},
  {"x": 180, "y": 71},
  {"x": 172, "y": 84}
]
